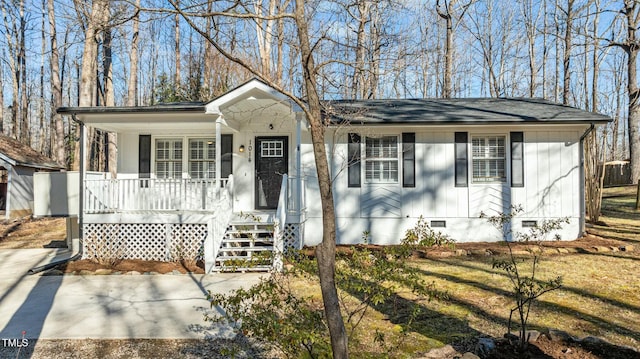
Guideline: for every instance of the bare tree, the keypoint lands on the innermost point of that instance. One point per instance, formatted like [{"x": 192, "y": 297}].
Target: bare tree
[
  {"x": 178, "y": 60},
  {"x": 594, "y": 164},
  {"x": 630, "y": 44},
  {"x": 566, "y": 59},
  {"x": 132, "y": 85},
  {"x": 452, "y": 15},
  {"x": 2, "y": 95},
  {"x": 56, "y": 88},
  {"x": 531, "y": 15},
  {"x": 632, "y": 47},
  {"x": 12, "y": 37},
  {"x": 88, "y": 86}
]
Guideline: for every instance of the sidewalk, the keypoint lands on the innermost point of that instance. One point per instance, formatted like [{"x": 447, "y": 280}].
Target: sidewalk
[{"x": 106, "y": 306}]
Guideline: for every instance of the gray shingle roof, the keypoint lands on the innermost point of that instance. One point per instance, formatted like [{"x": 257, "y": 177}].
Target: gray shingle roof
[
  {"x": 163, "y": 107},
  {"x": 457, "y": 111}
]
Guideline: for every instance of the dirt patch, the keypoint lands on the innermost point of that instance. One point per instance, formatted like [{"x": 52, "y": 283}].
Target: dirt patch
[
  {"x": 545, "y": 348},
  {"x": 124, "y": 266},
  {"x": 33, "y": 233}
]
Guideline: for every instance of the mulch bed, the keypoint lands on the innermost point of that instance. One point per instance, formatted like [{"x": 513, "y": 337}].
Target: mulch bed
[{"x": 132, "y": 265}]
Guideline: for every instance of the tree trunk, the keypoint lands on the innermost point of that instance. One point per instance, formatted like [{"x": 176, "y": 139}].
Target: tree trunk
[
  {"x": 1, "y": 101},
  {"x": 325, "y": 251},
  {"x": 556, "y": 38},
  {"x": 633, "y": 123},
  {"x": 448, "y": 50},
  {"x": 566, "y": 85},
  {"x": 25, "y": 131},
  {"x": 132, "y": 86},
  {"x": 178, "y": 78},
  {"x": 545, "y": 49},
  {"x": 358, "y": 86},
  {"x": 56, "y": 90},
  {"x": 11, "y": 33},
  {"x": 208, "y": 55},
  {"x": 89, "y": 63},
  {"x": 111, "y": 159},
  {"x": 530, "y": 23},
  {"x": 596, "y": 63},
  {"x": 42, "y": 135}
]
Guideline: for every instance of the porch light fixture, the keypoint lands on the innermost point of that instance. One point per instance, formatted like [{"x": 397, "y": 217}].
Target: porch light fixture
[{"x": 241, "y": 149}]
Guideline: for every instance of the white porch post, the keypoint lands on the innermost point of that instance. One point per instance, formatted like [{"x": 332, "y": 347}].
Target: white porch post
[
  {"x": 219, "y": 121},
  {"x": 82, "y": 174}
]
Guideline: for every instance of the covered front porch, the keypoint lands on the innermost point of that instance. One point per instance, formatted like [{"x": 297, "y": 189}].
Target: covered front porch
[{"x": 195, "y": 168}]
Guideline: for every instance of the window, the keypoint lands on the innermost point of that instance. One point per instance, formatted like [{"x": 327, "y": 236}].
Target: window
[
  {"x": 272, "y": 148},
  {"x": 202, "y": 158},
  {"x": 381, "y": 159},
  {"x": 488, "y": 159},
  {"x": 169, "y": 158}
]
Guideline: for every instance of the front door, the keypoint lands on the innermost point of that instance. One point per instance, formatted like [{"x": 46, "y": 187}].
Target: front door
[{"x": 272, "y": 161}]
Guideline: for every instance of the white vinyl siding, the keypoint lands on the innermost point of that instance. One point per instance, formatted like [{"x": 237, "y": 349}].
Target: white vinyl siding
[
  {"x": 202, "y": 156},
  {"x": 168, "y": 158},
  {"x": 489, "y": 159},
  {"x": 381, "y": 159}
]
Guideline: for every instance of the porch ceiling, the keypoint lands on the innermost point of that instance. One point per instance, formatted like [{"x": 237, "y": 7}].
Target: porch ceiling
[{"x": 153, "y": 122}]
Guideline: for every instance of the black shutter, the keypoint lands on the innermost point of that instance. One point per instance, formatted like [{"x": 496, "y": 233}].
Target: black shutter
[
  {"x": 144, "y": 156},
  {"x": 353, "y": 165},
  {"x": 408, "y": 159},
  {"x": 517, "y": 159},
  {"x": 226, "y": 164},
  {"x": 462, "y": 172}
]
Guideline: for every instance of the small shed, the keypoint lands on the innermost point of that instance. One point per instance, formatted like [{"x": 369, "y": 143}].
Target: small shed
[{"x": 18, "y": 163}]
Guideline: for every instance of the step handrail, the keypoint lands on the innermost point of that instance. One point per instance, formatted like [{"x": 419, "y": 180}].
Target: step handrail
[
  {"x": 223, "y": 217},
  {"x": 278, "y": 228}
]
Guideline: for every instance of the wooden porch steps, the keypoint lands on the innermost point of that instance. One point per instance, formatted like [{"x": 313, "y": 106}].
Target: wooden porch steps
[{"x": 247, "y": 246}]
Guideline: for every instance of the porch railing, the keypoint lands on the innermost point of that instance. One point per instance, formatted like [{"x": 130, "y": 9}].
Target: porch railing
[{"x": 149, "y": 194}]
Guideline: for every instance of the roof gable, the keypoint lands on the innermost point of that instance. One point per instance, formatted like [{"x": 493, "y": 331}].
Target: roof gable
[{"x": 251, "y": 90}]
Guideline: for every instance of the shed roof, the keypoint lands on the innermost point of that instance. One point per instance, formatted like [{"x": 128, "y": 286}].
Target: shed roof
[
  {"x": 458, "y": 111},
  {"x": 18, "y": 154}
]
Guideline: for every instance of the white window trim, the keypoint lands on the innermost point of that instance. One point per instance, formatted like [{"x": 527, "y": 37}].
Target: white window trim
[
  {"x": 185, "y": 148},
  {"x": 205, "y": 149},
  {"x": 364, "y": 159},
  {"x": 507, "y": 156},
  {"x": 154, "y": 153}
]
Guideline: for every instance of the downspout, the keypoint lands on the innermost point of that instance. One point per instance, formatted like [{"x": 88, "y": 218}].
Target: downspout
[
  {"x": 76, "y": 252},
  {"x": 583, "y": 205},
  {"x": 7, "y": 199}
]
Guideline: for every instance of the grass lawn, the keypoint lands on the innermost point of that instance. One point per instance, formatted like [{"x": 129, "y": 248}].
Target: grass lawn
[{"x": 600, "y": 294}]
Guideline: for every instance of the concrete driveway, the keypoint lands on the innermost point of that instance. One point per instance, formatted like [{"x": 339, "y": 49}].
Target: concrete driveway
[{"x": 105, "y": 306}]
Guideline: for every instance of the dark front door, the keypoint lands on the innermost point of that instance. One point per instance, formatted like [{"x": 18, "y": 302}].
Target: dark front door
[{"x": 272, "y": 161}]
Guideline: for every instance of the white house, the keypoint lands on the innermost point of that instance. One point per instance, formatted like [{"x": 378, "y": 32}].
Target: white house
[{"x": 219, "y": 178}]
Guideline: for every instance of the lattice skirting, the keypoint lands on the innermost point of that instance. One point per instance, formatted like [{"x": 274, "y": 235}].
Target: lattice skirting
[
  {"x": 291, "y": 235},
  {"x": 147, "y": 241}
]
